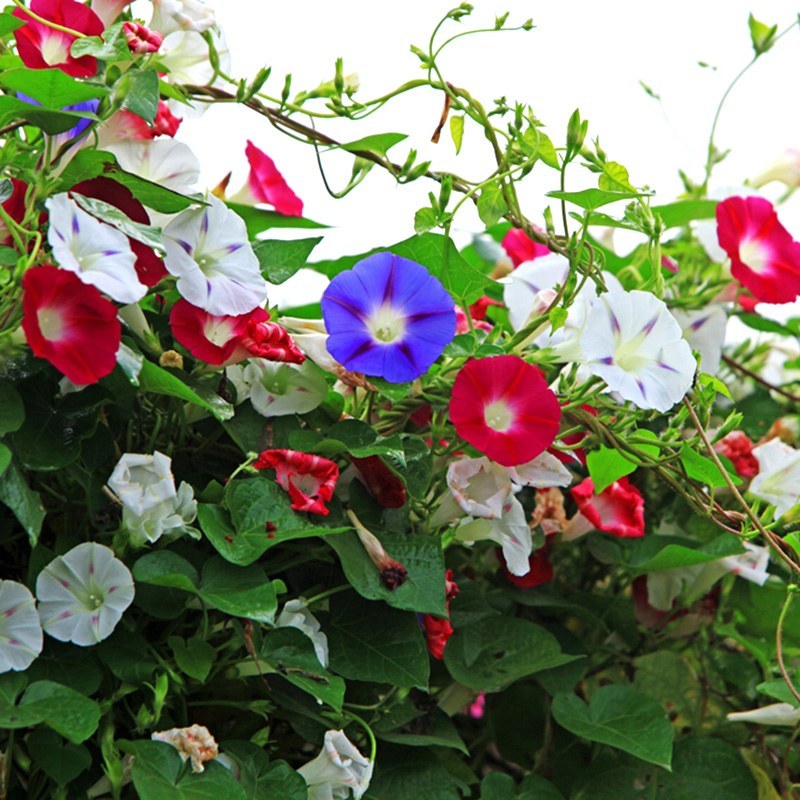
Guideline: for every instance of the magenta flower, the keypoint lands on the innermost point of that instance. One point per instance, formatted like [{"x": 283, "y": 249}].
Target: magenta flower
[{"x": 389, "y": 317}]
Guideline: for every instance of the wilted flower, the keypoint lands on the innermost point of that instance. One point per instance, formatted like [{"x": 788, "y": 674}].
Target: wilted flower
[
  {"x": 337, "y": 770},
  {"x": 70, "y": 324},
  {"x": 778, "y": 479},
  {"x": 295, "y": 614},
  {"x": 195, "y": 743},
  {"x": 41, "y": 46},
  {"x": 209, "y": 252},
  {"x": 309, "y": 479},
  {"x": 764, "y": 256},
  {"x": 636, "y": 346},
  {"x": 618, "y": 510},
  {"x": 83, "y": 594},
  {"x": 151, "y": 505},
  {"x": 503, "y": 407},
  {"x": 20, "y": 628},
  {"x": 387, "y": 316},
  {"x": 392, "y": 573},
  {"x": 97, "y": 253}
]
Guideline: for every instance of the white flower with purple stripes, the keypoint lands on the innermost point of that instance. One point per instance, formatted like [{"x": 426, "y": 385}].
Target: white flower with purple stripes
[
  {"x": 210, "y": 255},
  {"x": 636, "y": 346}
]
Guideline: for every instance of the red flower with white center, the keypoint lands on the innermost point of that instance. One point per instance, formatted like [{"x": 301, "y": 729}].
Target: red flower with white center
[
  {"x": 70, "y": 324},
  {"x": 42, "y": 47},
  {"x": 503, "y": 407},
  {"x": 266, "y": 185},
  {"x": 541, "y": 570},
  {"x": 764, "y": 257},
  {"x": 310, "y": 480},
  {"x": 520, "y": 247},
  {"x": 438, "y": 629},
  {"x": 618, "y": 510},
  {"x": 14, "y": 206},
  {"x": 149, "y": 267},
  {"x": 387, "y": 489},
  {"x": 739, "y": 449},
  {"x": 141, "y": 39}
]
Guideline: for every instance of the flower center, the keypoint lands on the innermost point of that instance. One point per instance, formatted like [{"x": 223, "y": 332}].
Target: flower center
[
  {"x": 95, "y": 600},
  {"x": 50, "y": 323},
  {"x": 628, "y": 356},
  {"x": 218, "y": 333},
  {"x": 499, "y": 416},
  {"x": 386, "y": 325},
  {"x": 754, "y": 255},
  {"x": 55, "y": 49}
]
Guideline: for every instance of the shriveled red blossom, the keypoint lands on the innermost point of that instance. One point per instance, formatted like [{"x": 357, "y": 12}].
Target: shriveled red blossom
[
  {"x": 438, "y": 629},
  {"x": 618, "y": 509},
  {"x": 141, "y": 39},
  {"x": 739, "y": 449},
  {"x": 393, "y": 573},
  {"x": 309, "y": 479}
]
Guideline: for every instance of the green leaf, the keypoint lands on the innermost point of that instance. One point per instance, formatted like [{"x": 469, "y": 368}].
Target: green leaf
[
  {"x": 487, "y": 656},
  {"x": 439, "y": 255},
  {"x": 591, "y": 199},
  {"x": 423, "y": 729},
  {"x": 157, "y": 380},
  {"x": 165, "y": 568},
  {"x": 423, "y": 590},
  {"x": 620, "y": 717},
  {"x": 457, "y": 131},
  {"x": 5, "y": 458},
  {"x": 12, "y": 411},
  {"x": 280, "y": 259},
  {"x": 675, "y": 215},
  {"x": 258, "y": 220},
  {"x": 498, "y": 786},
  {"x": 147, "y": 234},
  {"x": 370, "y": 642},
  {"x": 159, "y": 774},
  {"x": 142, "y": 94},
  {"x": 538, "y": 145},
  {"x": 23, "y": 501},
  {"x": 491, "y": 204},
  {"x": 762, "y": 36},
  {"x": 379, "y": 143},
  {"x": 59, "y": 760},
  {"x": 403, "y": 773},
  {"x": 708, "y": 768},
  {"x": 111, "y": 47},
  {"x": 53, "y": 88},
  {"x": 290, "y": 653},
  {"x": 669, "y": 679},
  {"x": 52, "y": 122},
  {"x": 703, "y": 469},
  {"x": 9, "y": 23},
  {"x": 607, "y": 465},
  {"x": 239, "y": 591},
  {"x": 8, "y": 255},
  {"x": 66, "y": 711},
  {"x": 614, "y": 178},
  {"x": 263, "y": 779},
  {"x": 424, "y": 220},
  {"x": 194, "y": 657}
]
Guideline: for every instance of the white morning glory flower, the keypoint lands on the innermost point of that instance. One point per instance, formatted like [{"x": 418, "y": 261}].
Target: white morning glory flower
[
  {"x": 163, "y": 161},
  {"x": 295, "y": 614},
  {"x": 97, "y": 253},
  {"x": 184, "y": 54},
  {"x": 20, "y": 628},
  {"x": 774, "y": 714},
  {"x": 527, "y": 280},
  {"x": 636, "y": 346},
  {"x": 337, "y": 770},
  {"x": 209, "y": 253},
  {"x": 704, "y": 329},
  {"x": 83, "y": 594},
  {"x": 778, "y": 479},
  {"x": 181, "y": 15},
  {"x": 276, "y": 389},
  {"x": 151, "y": 506}
]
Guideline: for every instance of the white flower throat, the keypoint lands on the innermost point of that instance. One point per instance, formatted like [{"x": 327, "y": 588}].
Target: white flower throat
[{"x": 386, "y": 324}]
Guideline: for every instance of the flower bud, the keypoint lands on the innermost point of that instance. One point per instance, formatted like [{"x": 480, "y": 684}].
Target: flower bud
[{"x": 141, "y": 40}]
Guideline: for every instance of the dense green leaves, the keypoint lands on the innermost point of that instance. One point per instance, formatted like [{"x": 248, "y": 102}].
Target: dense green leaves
[
  {"x": 620, "y": 717},
  {"x": 51, "y": 87}
]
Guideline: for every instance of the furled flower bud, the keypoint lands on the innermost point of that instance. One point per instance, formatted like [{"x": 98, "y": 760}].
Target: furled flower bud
[{"x": 141, "y": 40}]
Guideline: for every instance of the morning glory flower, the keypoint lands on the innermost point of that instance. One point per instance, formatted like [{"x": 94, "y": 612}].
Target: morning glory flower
[
  {"x": 778, "y": 479},
  {"x": 389, "y": 317},
  {"x": 83, "y": 594},
  {"x": 337, "y": 769},
  {"x": 163, "y": 161},
  {"x": 97, "y": 253},
  {"x": 527, "y": 280},
  {"x": 636, "y": 346},
  {"x": 209, "y": 253},
  {"x": 276, "y": 389},
  {"x": 296, "y": 614},
  {"x": 20, "y": 629},
  {"x": 182, "y": 15},
  {"x": 704, "y": 329}
]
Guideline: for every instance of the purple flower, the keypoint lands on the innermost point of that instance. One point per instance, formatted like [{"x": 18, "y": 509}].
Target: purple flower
[
  {"x": 388, "y": 317},
  {"x": 79, "y": 129}
]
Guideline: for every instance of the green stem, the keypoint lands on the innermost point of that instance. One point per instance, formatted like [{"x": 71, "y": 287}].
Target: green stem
[{"x": 791, "y": 590}]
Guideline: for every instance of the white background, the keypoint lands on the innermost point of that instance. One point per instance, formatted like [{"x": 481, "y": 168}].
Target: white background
[{"x": 589, "y": 55}]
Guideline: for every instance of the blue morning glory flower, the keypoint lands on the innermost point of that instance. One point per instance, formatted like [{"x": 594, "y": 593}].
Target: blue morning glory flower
[{"x": 389, "y": 317}]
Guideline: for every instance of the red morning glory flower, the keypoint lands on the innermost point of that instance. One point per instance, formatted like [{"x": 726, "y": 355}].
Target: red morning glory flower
[
  {"x": 70, "y": 324},
  {"x": 764, "y": 256},
  {"x": 503, "y": 407},
  {"x": 310, "y": 480},
  {"x": 43, "y": 47},
  {"x": 265, "y": 184},
  {"x": 618, "y": 510},
  {"x": 520, "y": 247}
]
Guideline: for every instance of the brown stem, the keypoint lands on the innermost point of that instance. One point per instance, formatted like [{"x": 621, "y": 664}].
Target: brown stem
[
  {"x": 756, "y": 377},
  {"x": 791, "y": 589}
]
